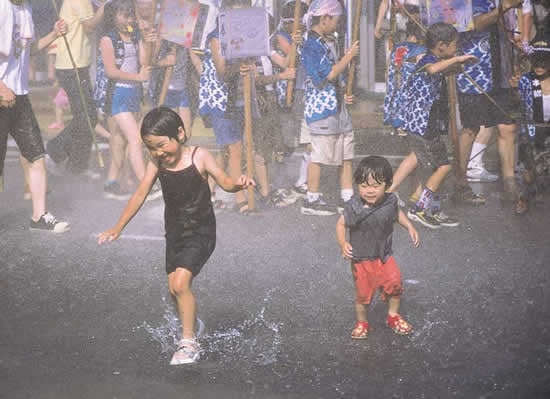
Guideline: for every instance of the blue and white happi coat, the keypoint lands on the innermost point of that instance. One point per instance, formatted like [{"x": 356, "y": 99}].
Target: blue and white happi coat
[
  {"x": 530, "y": 91},
  {"x": 419, "y": 94},
  {"x": 321, "y": 98},
  {"x": 401, "y": 67},
  {"x": 212, "y": 91}
]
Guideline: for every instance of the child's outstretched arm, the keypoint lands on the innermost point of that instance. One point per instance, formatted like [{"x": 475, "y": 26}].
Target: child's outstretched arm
[
  {"x": 345, "y": 246},
  {"x": 406, "y": 223},
  {"x": 206, "y": 163},
  {"x": 133, "y": 206},
  {"x": 445, "y": 65}
]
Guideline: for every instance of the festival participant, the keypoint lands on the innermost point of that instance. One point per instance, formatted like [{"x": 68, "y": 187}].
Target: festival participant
[
  {"x": 534, "y": 88},
  {"x": 293, "y": 126},
  {"x": 369, "y": 216},
  {"x": 221, "y": 100},
  {"x": 70, "y": 149},
  {"x": 122, "y": 67},
  {"x": 17, "y": 118},
  {"x": 326, "y": 112},
  {"x": 190, "y": 223},
  {"x": 491, "y": 74},
  {"x": 423, "y": 112}
]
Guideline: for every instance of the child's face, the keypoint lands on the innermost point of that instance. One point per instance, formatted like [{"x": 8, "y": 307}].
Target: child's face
[
  {"x": 371, "y": 191},
  {"x": 166, "y": 150},
  {"x": 540, "y": 66},
  {"x": 124, "y": 20},
  {"x": 330, "y": 23},
  {"x": 448, "y": 50}
]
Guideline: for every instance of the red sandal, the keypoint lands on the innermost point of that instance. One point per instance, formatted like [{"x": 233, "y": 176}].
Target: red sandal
[
  {"x": 399, "y": 325},
  {"x": 361, "y": 330}
]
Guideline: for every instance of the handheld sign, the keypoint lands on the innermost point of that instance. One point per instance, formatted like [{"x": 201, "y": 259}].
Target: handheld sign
[
  {"x": 455, "y": 12},
  {"x": 244, "y": 33},
  {"x": 185, "y": 22}
]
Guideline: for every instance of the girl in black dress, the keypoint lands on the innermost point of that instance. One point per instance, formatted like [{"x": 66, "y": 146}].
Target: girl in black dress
[{"x": 189, "y": 218}]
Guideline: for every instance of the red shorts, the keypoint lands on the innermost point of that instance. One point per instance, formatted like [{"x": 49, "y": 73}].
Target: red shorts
[{"x": 371, "y": 275}]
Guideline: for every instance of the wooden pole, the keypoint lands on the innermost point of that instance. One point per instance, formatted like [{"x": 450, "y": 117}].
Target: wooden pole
[
  {"x": 453, "y": 128},
  {"x": 292, "y": 53},
  {"x": 354, "y": 38},
  {"x": 247, "y": 88},
  {"x": 83, "y": 101}
]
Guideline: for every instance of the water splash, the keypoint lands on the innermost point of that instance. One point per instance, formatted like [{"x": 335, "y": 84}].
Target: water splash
[{"x": 255, "y": 340}]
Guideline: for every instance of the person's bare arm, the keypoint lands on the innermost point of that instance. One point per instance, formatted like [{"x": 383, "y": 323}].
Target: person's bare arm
[
  {"x": 207, "y": 163},
  {"x": 484, "y": 21},
  {"x": 111, "y": 70},
  {"x": 59, "y": 29},
  {"x": 133, "y": 206},
  {"x": 90, "y": 24},
  {"x": 341, "y": 65},
  {"x": 345, "y": 246}
]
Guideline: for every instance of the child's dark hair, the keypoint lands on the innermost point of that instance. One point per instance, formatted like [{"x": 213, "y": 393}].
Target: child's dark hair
[
  {"x": 161, "y": 121},
  {"x": 414, "y": 29},
  {"x": 377, "y": 167},
  {"x": 440, "y": 32},
  {"x": 111, "y": 10},
  {"x": 287, "y": 11}
]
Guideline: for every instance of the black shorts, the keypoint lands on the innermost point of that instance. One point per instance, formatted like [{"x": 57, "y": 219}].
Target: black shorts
[
  {"x": 430, "y": 152},
  {"x": 20, "y": 122},
  {"x": 477, "y": 110}
]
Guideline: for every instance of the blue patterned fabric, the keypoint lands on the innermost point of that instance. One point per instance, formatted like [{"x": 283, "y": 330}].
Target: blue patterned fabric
[
  {"x": 212, "y": 91},
  {"x": 478, "y": 45},
  {"x": 321, "y": 99},
  {"x": 527, "y": 95},
  {"x": 401, "y": 67},
  {"x": 419, "y": 94}
]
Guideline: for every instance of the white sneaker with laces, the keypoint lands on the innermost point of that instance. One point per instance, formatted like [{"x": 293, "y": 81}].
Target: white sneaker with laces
[
  {"x": 478, "y": 173},
  {"x": 188, "y": 352}
]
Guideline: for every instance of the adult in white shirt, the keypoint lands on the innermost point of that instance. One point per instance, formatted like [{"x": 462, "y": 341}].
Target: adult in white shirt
[{"x": 17, "y": 42}]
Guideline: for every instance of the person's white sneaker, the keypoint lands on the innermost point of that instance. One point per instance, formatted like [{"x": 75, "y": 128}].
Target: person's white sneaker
[
  {"x": 480, "y": 174},
  {"x": 188, "y": 352}
]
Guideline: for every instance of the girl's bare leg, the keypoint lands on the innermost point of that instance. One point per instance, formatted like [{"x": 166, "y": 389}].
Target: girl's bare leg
[
  {"x": 129, "y": 127},
  {"x": 179, "y": 284}
]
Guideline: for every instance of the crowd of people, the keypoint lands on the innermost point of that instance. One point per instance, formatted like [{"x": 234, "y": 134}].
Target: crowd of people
[{"x": 507, "y": 52}]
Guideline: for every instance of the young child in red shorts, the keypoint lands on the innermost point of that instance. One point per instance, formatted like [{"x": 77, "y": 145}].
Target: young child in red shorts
[{"x": 369, "y": 216}]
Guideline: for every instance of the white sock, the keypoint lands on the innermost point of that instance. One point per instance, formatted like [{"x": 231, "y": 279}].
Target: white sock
[
  {"x": 477, "y": 161},
  {"x": 346, "y": 194},
  {"x": 312, "y": 197},
  {"x": 302, "y": 177}
]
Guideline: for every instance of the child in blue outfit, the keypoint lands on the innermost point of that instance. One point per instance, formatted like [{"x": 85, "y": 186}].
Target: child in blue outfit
[
  {"x": 369, "y": 216},
  {"x": 326, "y": 114},
  {"x": 423, "y": 115}
]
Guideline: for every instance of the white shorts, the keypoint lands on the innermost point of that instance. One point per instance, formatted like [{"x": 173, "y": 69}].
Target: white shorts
[
  {"x": 332, "y": 149},
  {"x": 305, "y": 136}
]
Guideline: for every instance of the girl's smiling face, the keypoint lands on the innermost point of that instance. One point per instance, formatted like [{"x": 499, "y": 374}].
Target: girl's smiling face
[{"x": 166, "y": 150}]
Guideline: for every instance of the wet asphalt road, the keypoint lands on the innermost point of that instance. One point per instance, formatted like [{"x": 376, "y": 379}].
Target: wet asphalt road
[{"x": 83, "y": 321}]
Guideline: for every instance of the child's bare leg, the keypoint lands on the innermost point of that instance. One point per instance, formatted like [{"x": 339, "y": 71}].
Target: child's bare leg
[
  {"x": 117, "y": 146},
  {"x": 179, "y": 284},
  {"x": 435, "y": 180},
  {"x": 346, "y": 175},
  {"x": 234, "y": 165},
  {"x": 393, "y": 305},
  {"x": 186, "y": 117},
  {"x": 37, "y": 186},
  {"x": 405, "y": 168},
  {"x": 313, "y": 177},
  {"x": 361, "y": 311},
  {"x": 261, "y": 175},
  {"x": 128, "y": 125}
]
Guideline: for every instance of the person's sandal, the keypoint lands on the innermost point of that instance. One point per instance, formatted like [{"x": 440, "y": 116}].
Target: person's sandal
[
  {"x": 361, "y": 330},
  {"x": 399, "y": 325}
]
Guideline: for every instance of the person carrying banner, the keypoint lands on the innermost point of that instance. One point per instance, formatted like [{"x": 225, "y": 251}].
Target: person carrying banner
[{"x": 326, "y": 113}]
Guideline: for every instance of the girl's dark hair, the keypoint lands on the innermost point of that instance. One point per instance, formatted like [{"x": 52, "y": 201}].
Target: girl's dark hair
[
  {"x": 111, "y": 10},
  {"x": 414, "y": 29},
  {"x": 440, "y": 32},
  {"x": 161, "y": 121},
  {"x": 377, "y": 167},
  {"x": 288, "y": 9}
]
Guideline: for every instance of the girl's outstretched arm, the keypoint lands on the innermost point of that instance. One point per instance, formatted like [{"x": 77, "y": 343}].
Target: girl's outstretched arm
[
  {"x": 133, "y": 206},
  {"x": 207, "y": 164}
]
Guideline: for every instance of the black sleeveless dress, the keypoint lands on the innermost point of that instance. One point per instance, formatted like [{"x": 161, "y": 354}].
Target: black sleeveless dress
[{"x": 189, "y": 219}]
